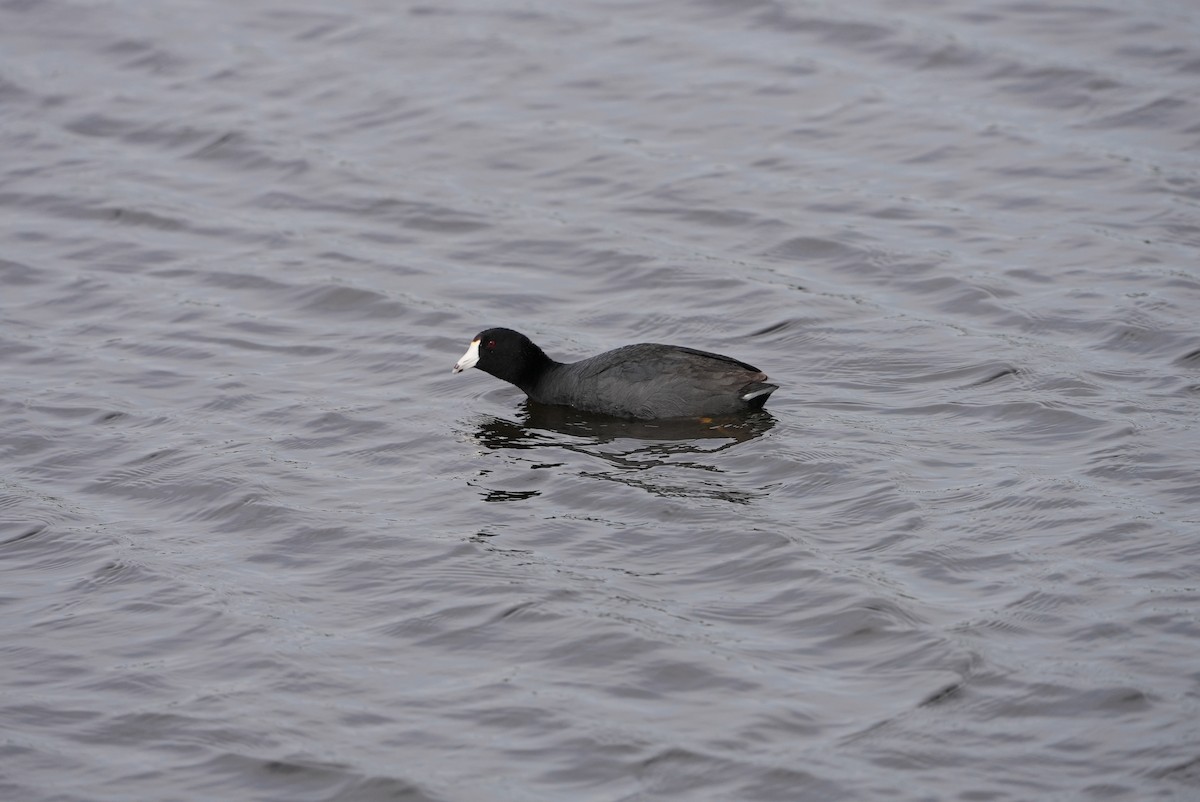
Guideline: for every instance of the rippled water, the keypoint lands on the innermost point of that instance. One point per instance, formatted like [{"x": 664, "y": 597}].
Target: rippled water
[{"x": 258, "y": 543}]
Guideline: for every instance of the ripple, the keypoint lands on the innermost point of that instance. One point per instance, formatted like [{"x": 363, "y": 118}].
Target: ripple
[{"x": 258, "y": 541}]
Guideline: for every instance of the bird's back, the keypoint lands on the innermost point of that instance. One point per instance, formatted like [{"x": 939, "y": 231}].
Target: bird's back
[{"x": 650, "y": 380}]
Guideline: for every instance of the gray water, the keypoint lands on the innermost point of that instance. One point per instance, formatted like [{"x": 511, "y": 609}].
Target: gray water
[{"x": 258, "y": 543}]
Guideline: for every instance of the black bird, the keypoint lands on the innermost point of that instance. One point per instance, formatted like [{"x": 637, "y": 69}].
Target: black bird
[{"x": 647, "y": 381}]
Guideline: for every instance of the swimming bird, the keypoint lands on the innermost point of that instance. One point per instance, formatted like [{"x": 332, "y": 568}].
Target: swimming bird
[{"x": 647, "y": 381}]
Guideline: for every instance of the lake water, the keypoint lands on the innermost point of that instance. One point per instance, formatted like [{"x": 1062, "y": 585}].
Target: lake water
[{"x": 258, "y": 543}]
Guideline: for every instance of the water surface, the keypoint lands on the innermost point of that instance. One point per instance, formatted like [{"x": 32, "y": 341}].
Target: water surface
[{"x": 258, "y": 543}]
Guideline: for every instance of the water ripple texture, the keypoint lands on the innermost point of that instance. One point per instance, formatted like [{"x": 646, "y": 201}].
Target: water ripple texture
[{"x": 258, "y": 543}]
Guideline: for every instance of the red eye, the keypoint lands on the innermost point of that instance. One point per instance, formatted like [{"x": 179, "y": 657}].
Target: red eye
[{"x": 491, "y": 344}]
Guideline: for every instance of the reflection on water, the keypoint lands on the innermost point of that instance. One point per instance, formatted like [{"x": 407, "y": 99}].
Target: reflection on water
[
  {"x": 660, "y": 457},
  {"x": 535, "y": 420}
]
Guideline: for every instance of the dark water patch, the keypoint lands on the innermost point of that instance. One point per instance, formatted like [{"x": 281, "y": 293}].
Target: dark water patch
[
  {"x": 240, "y": 151},
  {"x": 778, "y": 328},
  {"x": 144, "y": 55},
  {"x": 307, "y": 778},
  {"x": 997, "y": 375},
  {"x": 1055, "y": 87},
  {"x": 1138, "y": 337},
  {"x": 1028, "y": 421},
  {"x": 163, "y": 480},
  {"x": 29, "y": 531},
  {"x": 224, "y": 506},
  {"x": 115, "y": 257},
  {"x": 16, "y": 350},
  {"x": 806, "y": 249},
  {"x": 99, "y": 125},
  {"x": 11, "y": 91},
  {"x": 1171, "y": 113},
  {"x": 74, "y": 210},
  {"x": 1190, "y": 357},
  {"x": 1186, "y": 773},
  {"x": 418, "y": 215},
  {"x": 14, "y": 273},
  {"x": 166, "y": 351},
  {"x": 65, "y": 412},
  {"x": 730, "y": 218},
  {"x": 339, "y": 299},
  {"x": 307, "y": 545},
  {"x": 227, "y": 279},
  {"x": 242, "y": 344},
  {"x": 965, "y": 377}
]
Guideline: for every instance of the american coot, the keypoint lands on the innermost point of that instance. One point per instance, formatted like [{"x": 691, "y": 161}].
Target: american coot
[{"x": 646, "y": 381}]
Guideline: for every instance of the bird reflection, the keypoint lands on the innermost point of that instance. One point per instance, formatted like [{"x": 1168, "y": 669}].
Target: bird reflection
[
  {"x": 537, "y": 422},
  {"x": 629, "y": 448}
]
